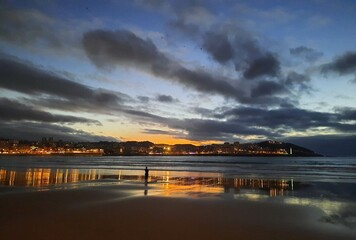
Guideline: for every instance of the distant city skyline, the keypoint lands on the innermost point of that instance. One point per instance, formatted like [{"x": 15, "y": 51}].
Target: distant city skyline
[
  {"x": 48, "y": 146},
  {"x": 196, "y": 72}
]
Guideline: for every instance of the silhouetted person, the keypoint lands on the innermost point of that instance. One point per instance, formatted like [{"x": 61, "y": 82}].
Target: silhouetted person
[{"x": 146, "y": 174}]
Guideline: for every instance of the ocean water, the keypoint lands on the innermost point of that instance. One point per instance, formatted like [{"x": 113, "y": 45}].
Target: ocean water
[
  {"x": 328, "y": 184},
  {"x": 329, "y": 169}
]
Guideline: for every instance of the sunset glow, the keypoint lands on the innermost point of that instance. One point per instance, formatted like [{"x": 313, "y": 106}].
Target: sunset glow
[{"x": 173, "y": 72}]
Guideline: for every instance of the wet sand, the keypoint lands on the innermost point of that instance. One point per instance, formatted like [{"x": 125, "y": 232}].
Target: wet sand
[{"x": 124, "y": 212}]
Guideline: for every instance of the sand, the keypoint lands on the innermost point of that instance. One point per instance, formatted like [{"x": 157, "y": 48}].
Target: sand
[{"x": 123, "y": 212}]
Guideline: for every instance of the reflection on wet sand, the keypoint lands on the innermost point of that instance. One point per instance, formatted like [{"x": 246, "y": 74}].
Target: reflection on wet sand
[
  {"x": 167, "y": 182},
  {"x": 37, "y": 177},
  {"x": 189, "y": 184}
]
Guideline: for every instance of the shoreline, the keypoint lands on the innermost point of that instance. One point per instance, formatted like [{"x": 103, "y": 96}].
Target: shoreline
[{"x": 164, "y": 155}]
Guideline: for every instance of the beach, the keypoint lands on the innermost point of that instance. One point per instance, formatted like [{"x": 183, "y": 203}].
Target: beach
[
  {"x": 107, "y": 210},
  {"x": 228, "y": 198}
]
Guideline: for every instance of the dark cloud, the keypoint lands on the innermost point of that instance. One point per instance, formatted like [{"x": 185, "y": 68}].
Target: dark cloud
[
  {"x": 48, "y": 90},
  {"x": 108, "y": 49},
  {"x": 207, "y": 129},
  {"x": 202, "y": 111},
  {"x": 346, "y": 113},
  {"x": 236, "y": 123},
  {"x": 297, "y": 81},
  {"x": 12, "y": 110},
  {"x": 267, "y": 88},
  {"x": 30, "y": 80},
  {"x": 54, "y": 92},
  {"x": 27, "y": 27},
  {"x": 266, "y": 65},
  {"x": 205, "y": 82},
  {"x": 309, "y": 54},
  {"x": 288, "y": 118},
  {"x": 138, "y": 114},
  {"x": 156, "y": 131},
  {"x": 344, "y": 64},
  {"x": 37, "y": 31},
  {"x": 227, "y": 42},
  {"x": 35, "y": 131},
  {"x": 232, "y": 43},
  {"x": 228, "y": 124},
  {"x": 218, "y": 46},
  {"x": 165, "y": 98}
]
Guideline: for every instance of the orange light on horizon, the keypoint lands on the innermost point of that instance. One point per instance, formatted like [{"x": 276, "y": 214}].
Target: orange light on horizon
[{"x": 170, "y": 140}]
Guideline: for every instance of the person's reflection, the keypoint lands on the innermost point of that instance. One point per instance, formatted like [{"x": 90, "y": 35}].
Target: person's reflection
[{"x": 146, "y": 181}]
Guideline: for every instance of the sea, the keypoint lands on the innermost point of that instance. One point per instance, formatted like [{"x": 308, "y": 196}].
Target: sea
[
  {"x": 337, "y": 169},
  {"x": 326, "y": 183}
]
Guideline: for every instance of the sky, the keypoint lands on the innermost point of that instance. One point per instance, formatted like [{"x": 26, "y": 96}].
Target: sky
[{"x": 172, "y": 72}]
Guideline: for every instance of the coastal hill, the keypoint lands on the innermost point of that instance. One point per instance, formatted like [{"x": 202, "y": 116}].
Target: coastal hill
[
  {"x": 132, "y": 148},
  {"x": 292, "y": 149}
]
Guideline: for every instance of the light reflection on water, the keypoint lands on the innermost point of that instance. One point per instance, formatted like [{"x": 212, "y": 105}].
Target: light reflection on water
[
  {"x": 168, "y": 183},
  {"x": 338, "y": 208}
]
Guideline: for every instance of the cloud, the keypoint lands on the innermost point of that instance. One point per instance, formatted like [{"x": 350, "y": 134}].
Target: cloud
[
  {"x": 308, "y": 54},
  {"x": 289, "y": 119},
  {"x": 267, "y": 88},
  {"x": 108, "y": 49},
  {"x": 226, "y": 41},
  {"x": 12, "y": 110},
  {"x": 232, "y": 43},
  {"x": 143, "y": 99},
  {"x": 38, "y": 32},
  {"x": 344, "y": 64},
  {"x": 165, "y": 98},
  {"x": 346, "y": 113},
  {"x": 47, "y": 90},
  {"x": 231, "y": 124},
  {"x": 50, "y": 91},
  {"x": 26, "y": 27},
  {"x": 112, "y": 48},
  {"x": 33, "y": 81},
  {"x": 266, "y": 65},
  {"x": 156, "y": 131},
  {"x": 202, "y": 111},
  {"x": 218, "y": 46},
  {"x": 297, "y": 81},
  {"x": 208, "y": 129},
  {"x": 35, "y": 131}
]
